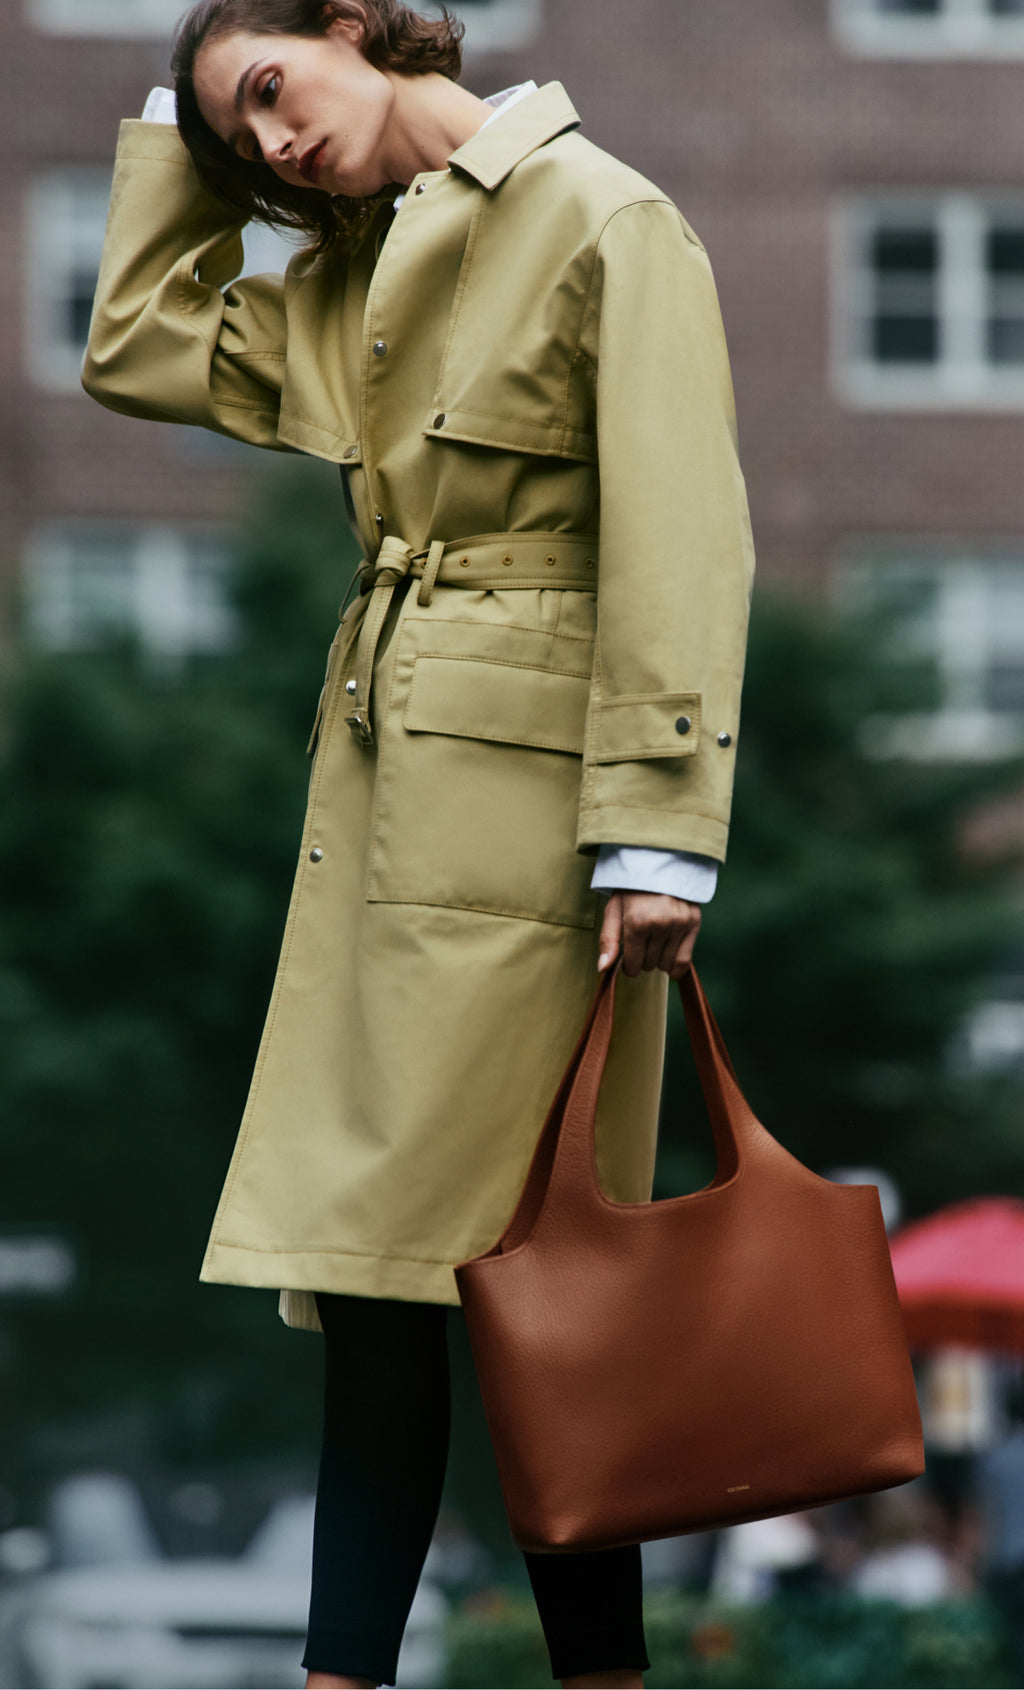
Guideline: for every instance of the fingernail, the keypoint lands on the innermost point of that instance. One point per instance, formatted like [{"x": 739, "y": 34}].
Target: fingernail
[{"x": 603, "y": 960}]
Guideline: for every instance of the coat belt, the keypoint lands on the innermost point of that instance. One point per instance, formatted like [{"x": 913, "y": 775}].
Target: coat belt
[{"x": 484, "y": 561}]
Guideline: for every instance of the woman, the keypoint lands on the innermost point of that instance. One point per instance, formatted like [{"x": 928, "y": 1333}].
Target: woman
[{"x": 511, "y": 345}]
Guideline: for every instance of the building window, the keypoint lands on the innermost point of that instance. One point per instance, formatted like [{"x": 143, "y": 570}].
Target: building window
[
  {"x": 67, "y": 216},
  {"x": 953, "y": 623},
  {"x": 67, "y": 219},
  {"x": 152, "y": 18},
  {"x": 929, "y": 297},
  {"x": 993, "y": 1036},
  {"x": 85, "y": 585},
  {"x": 931, "y": 28},
  {"x": 491, "y": 25}
]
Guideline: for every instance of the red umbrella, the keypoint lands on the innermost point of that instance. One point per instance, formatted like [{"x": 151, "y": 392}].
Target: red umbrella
[{"x": 960, "y": 1275}]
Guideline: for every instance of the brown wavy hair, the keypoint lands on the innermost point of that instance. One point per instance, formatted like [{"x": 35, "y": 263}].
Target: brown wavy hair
[{"x": 394, "y": 38}]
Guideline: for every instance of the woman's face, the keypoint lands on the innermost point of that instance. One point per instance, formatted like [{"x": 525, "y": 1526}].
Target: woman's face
[{"x": 312, "y": 106}]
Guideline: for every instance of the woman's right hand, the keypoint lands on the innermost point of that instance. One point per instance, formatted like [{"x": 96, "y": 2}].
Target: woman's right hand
[{"x": 654, "y": 931}]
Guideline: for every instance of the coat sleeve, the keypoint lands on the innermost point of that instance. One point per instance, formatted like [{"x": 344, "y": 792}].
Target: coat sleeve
[
  {"x": 675, "y": 566},
  {"x": 170, "y": 339}
]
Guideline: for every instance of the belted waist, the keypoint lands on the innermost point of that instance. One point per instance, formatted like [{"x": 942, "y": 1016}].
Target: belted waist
[
  {"x": 485, "y": 561},
  {"x": 489, "y": 560}
]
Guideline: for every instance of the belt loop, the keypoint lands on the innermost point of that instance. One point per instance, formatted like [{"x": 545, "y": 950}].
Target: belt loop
[
  {"x": 392, "y": 565},
  {"x": 430, "y": 569}
]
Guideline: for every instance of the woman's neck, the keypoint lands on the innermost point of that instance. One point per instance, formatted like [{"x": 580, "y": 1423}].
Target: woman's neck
[{"x": 432, "y": 117}]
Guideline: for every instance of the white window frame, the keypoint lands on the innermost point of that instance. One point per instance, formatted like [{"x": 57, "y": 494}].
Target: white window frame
[
  {"x": 963, "y": 378},
  {"x": 126, "y": 19},
  {"x": 161, "y": 611},
  {"x": 53, "y": 361},
  {"x": 962, "y": 29},
  {"x": 992, "y": 1038},
  {"x": 964, "y": 727}
]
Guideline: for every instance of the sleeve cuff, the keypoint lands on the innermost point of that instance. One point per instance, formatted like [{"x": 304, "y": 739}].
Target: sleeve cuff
[{"x": 639, "y": 868}]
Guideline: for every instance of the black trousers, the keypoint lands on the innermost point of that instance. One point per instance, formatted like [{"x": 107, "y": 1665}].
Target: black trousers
[{"x": 387, "y": 1399}]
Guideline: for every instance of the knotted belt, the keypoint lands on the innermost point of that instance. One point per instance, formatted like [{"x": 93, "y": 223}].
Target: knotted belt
[{"x": 486, "y": 561}]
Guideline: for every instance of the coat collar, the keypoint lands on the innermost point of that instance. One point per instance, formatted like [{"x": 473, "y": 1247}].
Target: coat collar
[{"x": 493, "y": 153}]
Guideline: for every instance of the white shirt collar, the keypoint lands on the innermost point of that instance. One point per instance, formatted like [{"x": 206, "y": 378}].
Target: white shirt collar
[
  {"x": 502, "y": 102},
  {"x": 507, "y": 98}
]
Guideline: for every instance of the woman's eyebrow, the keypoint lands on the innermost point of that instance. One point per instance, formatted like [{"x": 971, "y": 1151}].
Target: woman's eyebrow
[
  {"x": 239, "y": 100},
  {"x": 242, "y": 80}
]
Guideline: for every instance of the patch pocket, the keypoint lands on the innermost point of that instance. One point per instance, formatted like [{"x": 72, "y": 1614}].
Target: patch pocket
[{"x": 478, "y": 789}]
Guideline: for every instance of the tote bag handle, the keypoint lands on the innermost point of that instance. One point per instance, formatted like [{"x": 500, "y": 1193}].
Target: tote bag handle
[{"x": 564, "y": 1168}]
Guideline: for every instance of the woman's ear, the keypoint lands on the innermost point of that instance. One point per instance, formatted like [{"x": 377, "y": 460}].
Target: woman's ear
[{"x": 351, "y": 22}]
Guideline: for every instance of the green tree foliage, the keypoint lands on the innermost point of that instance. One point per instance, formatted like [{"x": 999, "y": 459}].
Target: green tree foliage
[
  {"x": 148, "y": 826},
  {"x": 852, "y": 932},
  {"x": 832, "y": 1640}
]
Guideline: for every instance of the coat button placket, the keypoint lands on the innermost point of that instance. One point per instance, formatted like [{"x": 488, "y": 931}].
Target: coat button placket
[{"x": 379, "y": 350}]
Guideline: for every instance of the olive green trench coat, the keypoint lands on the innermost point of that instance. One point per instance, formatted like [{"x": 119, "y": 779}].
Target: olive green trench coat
[{"x": 524, "y": 377}]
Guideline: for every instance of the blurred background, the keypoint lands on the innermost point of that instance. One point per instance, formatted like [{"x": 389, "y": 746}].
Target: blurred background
[{"x": 856, "y": 171}]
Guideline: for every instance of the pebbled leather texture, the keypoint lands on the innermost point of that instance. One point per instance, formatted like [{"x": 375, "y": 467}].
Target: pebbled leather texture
[{"x": 650, "y": 1369}]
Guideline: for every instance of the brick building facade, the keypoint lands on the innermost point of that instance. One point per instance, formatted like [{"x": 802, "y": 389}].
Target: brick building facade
[{"x": 851, "y": 166}]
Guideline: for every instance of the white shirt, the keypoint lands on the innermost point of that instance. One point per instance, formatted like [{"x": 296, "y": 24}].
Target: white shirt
[{"x": 620, "y": 868}]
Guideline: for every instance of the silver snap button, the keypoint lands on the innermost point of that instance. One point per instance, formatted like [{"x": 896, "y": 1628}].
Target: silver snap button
[
  {"x": 350, "y": 687},
  {"x": 379, "y": 520},
  {"x": 350, "y": 451},
  {"x": 421, "y": 187},
  {"x": 724, "y": 739},
  {"x": 316, "y": 855},
  {"x": 380, "y": 348},
  {"x": 683, "y": 725},
  {"x": 439, "y": 419}
]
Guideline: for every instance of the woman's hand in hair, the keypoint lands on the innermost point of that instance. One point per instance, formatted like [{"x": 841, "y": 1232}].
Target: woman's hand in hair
[{"x": 653, "y": 930}]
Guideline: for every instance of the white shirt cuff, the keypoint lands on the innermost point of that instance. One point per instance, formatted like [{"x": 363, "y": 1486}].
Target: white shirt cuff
[
  {"x": 161, "y": 107},
  {"x": 638, "y": 868}
]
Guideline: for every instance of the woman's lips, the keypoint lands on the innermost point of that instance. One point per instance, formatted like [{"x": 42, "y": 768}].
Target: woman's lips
[{"x": 310, "y": 162}]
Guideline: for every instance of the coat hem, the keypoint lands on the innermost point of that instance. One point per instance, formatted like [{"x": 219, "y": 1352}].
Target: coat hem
[{"x": 297, "y": 1275}]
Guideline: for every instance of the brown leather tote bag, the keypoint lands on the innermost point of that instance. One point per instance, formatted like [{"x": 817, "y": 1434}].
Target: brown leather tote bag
[{"x": 650, "y": 1369}]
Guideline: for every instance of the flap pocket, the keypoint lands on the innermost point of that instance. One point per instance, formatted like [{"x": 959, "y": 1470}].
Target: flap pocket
[
  {"x": 544, "y": 434},
  {"x": 483, "y": 698},
  {"x": 635, "y": 726}
]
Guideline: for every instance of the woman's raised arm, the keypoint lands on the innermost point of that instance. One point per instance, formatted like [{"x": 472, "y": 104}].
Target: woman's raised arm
[{"x": 173, "y": 336}]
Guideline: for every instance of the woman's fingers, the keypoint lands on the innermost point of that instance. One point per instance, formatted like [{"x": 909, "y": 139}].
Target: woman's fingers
[
  {"x": 680, "y": 963},
  {"x": 657, "y": 932},
  {"x": 611, "y": 932},
  {"x": 666, "y": 952},
  {"x": 654, "y": 931}
]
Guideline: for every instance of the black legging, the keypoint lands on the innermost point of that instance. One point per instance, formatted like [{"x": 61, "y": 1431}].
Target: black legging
[{"x": 387, "y": 1400}]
